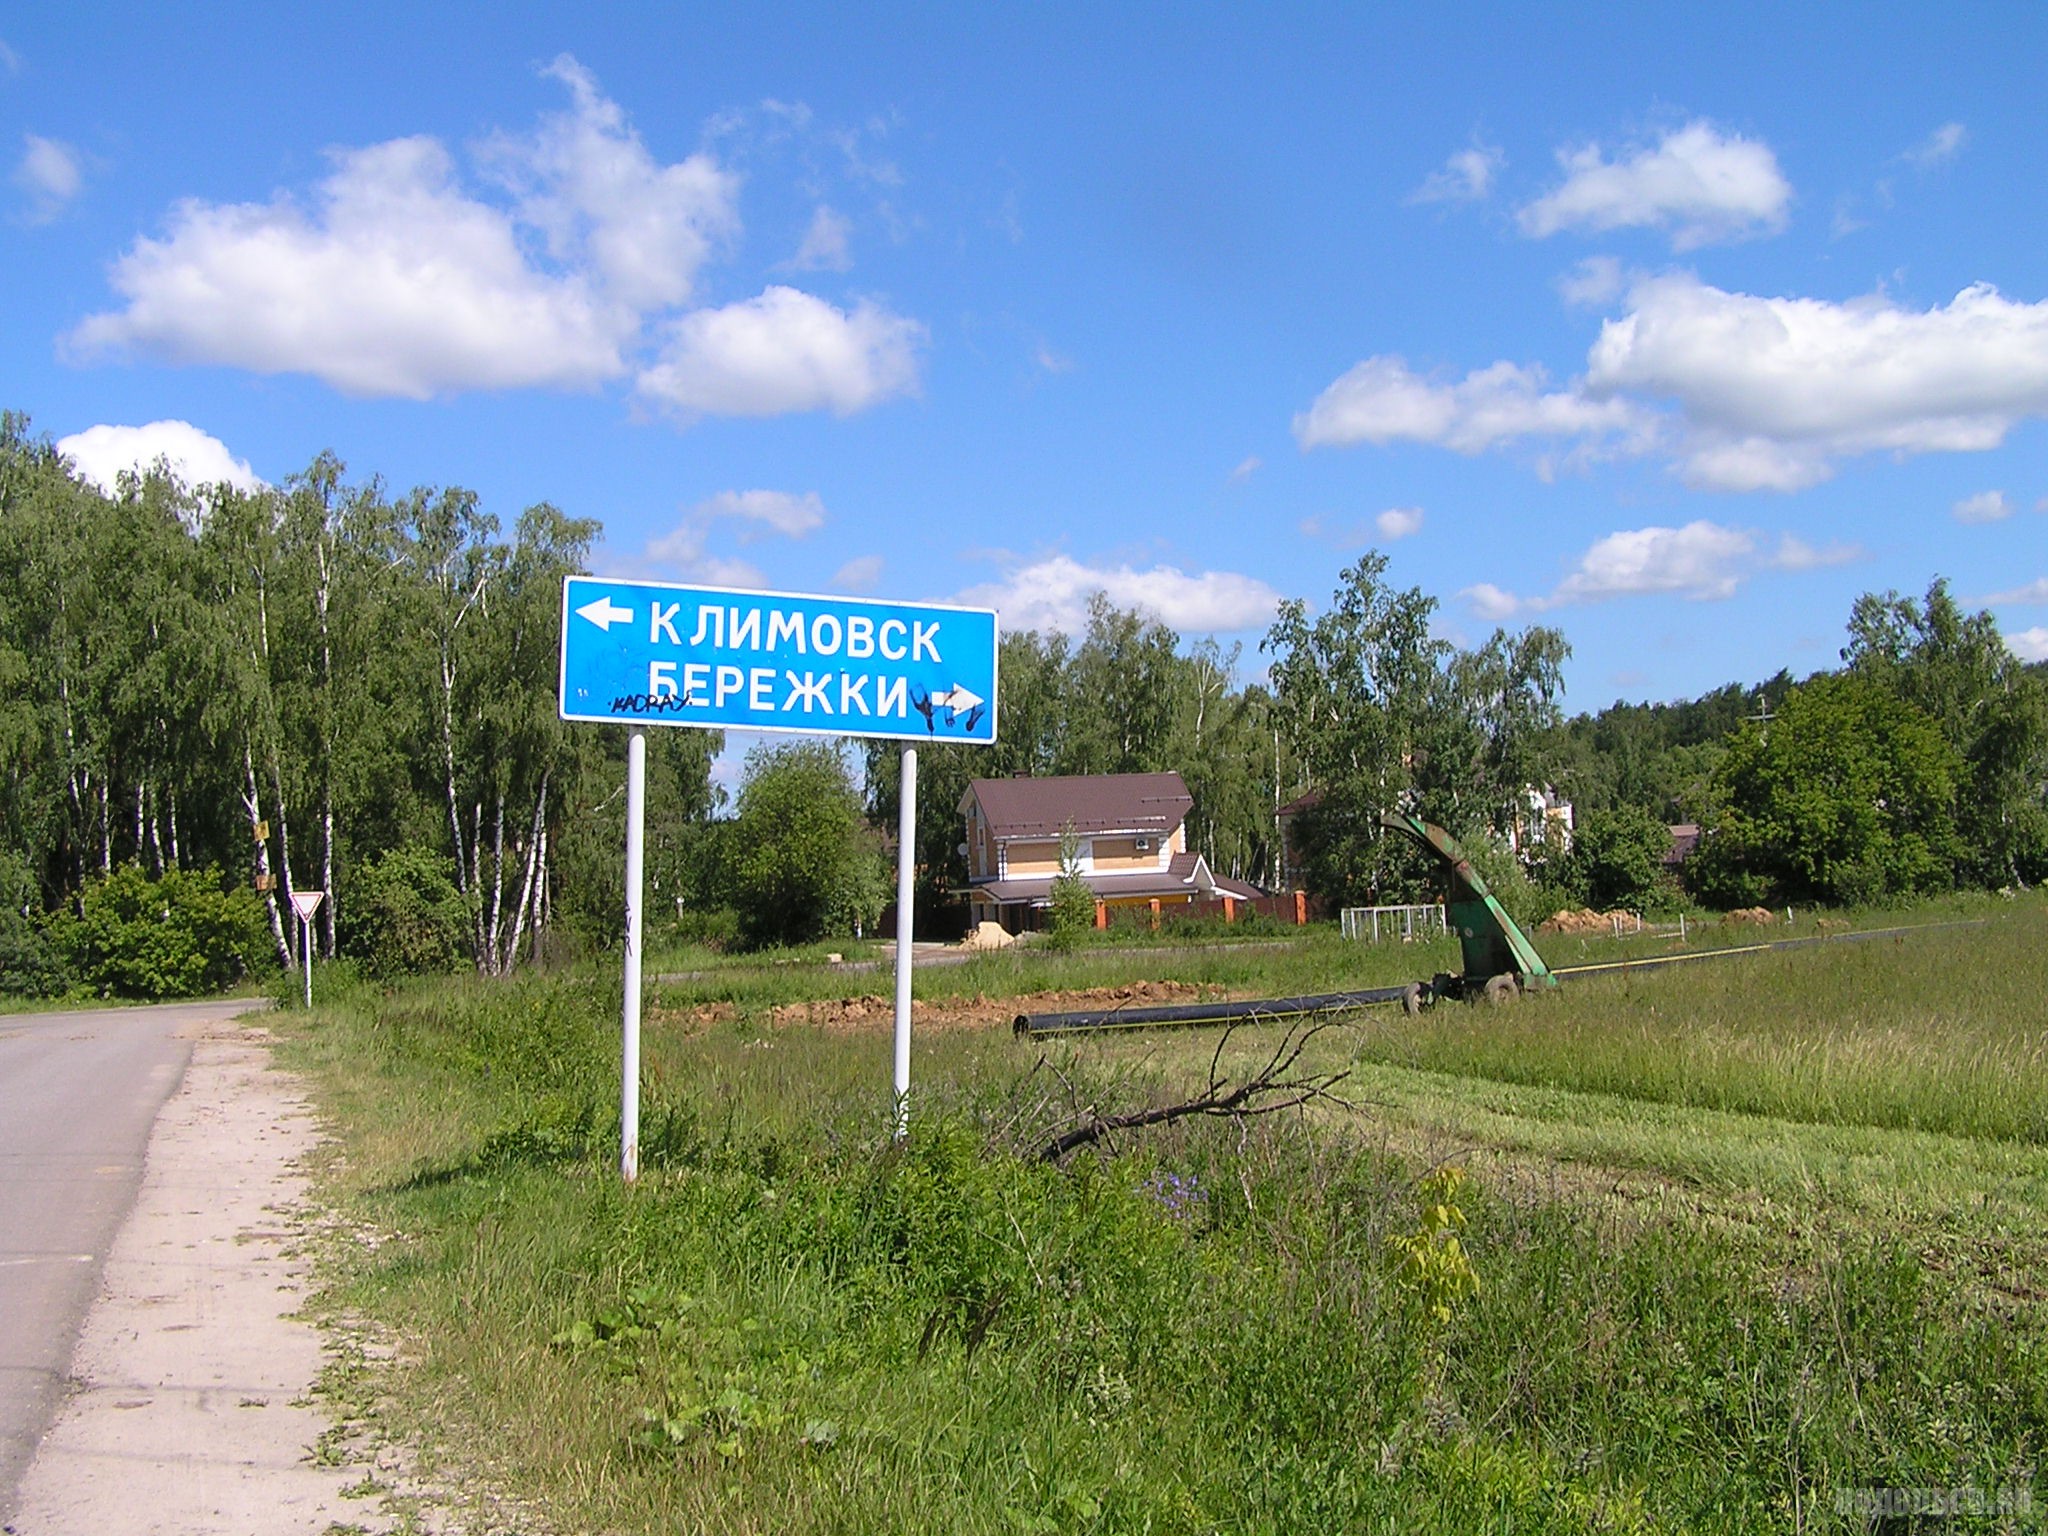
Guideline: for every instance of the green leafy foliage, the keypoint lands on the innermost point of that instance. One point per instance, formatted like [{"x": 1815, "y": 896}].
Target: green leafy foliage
[
  {"x": 405, "y": 916},
  {"x": 180, "y": 935},
  {"x": 31, "y": 964},
  {"x": 804, "y": 863},
  {"x": 1383, "y": 715},
  {"x": 1847, "y": 796},
  {"x": 1722, "y": 1276},
  {"x": 1617, "y": 859},
  {"x": 1072, "y": 914}
]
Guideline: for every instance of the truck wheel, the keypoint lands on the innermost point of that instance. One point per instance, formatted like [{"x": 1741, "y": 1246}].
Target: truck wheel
[{"x": 1501, "y": 989}]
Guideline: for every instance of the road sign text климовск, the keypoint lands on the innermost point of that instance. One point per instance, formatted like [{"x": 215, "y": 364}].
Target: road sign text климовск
[{"x": 776, "y": 661}]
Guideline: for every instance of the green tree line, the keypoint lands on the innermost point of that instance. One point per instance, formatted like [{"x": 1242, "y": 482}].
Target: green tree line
[{"x": 330, "y": 686}]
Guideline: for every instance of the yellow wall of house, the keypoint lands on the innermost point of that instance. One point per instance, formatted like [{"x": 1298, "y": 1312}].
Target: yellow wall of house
[
  {"x": 1035, "y": 858},
  {"x": 1113, "y": 853}
]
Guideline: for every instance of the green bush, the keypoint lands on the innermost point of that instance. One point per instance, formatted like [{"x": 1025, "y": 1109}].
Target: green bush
[
  {"x": 1618, "y": 857},
  {"x": 31, "y": 965},
  {"x": 402, "y": 916},
  {"x": 178, "y": 936},
  {"x": 804, "y": 863}
]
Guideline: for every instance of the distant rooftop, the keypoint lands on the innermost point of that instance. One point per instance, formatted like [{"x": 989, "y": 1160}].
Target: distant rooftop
[{"x": 1092, "y": 803}]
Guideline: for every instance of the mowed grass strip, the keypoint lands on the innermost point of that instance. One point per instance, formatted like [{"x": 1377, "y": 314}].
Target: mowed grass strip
[{"x": 1944, "y": 1030}]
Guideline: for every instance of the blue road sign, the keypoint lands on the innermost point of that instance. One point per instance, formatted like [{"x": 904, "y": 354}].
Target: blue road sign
[{"x": 651, "y": 653}]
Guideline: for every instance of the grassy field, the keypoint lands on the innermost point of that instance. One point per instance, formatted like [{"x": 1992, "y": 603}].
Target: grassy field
[{"x": 1725, "y": 1247}]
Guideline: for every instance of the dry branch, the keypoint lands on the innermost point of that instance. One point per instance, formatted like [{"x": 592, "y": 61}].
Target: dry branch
[{"x": 1276, "y": 1085}]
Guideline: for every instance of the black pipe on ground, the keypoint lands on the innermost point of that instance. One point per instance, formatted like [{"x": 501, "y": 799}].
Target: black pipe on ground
[{"x": 1035, "y": 1025}]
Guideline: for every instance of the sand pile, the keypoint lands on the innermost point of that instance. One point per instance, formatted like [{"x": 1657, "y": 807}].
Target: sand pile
[
  {"x": 1756, "y": 915},
  {"x": 1585, "y": 921}
]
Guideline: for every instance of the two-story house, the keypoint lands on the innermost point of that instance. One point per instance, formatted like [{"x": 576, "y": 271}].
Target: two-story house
[{"x": 1130, "y": 832}]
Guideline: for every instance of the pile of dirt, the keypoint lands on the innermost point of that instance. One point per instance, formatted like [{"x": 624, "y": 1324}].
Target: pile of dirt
[
  {"x": 1759, "y": 916},
  {"x": 698, "y": 1016},
  {"x": 1585, "y": 921},
  {"x": 879, "y": 1013},
  {"x": 988, "y": 936}
]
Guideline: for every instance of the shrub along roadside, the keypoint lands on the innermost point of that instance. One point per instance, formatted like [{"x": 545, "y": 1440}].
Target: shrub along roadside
[
  {"x": 182, "y": 934},
  {"x": 793, "y": 1325}
]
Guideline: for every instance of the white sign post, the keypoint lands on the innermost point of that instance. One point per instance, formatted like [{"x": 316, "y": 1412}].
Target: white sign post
[
  {"x": 306, "y": 903},
  {"x": 640, "y": 653},
  {"x": 636, "y": 923},
  {"x": 906, "y": 863}
]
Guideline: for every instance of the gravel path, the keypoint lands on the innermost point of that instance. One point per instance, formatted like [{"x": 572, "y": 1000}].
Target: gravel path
[{"x": 188, "y": 1411}]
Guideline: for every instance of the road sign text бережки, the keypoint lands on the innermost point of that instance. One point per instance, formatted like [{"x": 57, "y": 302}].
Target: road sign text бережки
[{"x": 650, "y": 653}]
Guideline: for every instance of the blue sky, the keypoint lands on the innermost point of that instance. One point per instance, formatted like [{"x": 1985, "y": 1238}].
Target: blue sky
[{"x": 1674, "y": 330}]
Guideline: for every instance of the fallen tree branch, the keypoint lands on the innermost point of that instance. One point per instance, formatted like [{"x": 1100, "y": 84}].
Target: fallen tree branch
[{"x": 1275, "y": 1086}]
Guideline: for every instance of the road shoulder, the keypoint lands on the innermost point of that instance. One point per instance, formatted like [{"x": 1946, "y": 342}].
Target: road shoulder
[{"x": 190, "y": 1409}]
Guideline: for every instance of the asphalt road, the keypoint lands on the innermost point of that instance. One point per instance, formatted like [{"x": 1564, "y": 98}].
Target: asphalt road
[{"x": 79, "y": 1093}]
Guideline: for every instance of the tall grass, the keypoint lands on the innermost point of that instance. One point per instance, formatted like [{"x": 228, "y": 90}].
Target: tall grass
[{"x": 794, "y": 1325}]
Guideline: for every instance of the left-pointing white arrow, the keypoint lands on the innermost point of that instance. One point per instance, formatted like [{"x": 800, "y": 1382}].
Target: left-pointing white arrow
[{"x": 604, "y": 615}]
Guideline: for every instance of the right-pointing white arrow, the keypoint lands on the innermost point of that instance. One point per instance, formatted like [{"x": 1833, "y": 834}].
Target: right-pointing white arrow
[
  {"x": 957, "y": 698},
  {"x": 604, "y": 614}
]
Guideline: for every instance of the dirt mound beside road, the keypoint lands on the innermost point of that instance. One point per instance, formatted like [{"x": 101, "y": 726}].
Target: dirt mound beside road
[{"x": 875, "y": 1013}]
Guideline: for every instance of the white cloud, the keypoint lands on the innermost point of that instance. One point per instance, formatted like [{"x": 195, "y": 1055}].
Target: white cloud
[
  {"x": 1246, "y": 468},
  {"x": 1774, "y": 390},
  {"x": 1467, "y": 177},
  {"x": 1049, "y": 361},
  {"x": 585, "y": 179},
  {"x": 397, "y": 279},
  {"x": 860, "y": 574},
  {"x": 682, "y": 552},
  {"x": 1939, "y": 147},
  {"x": 2029, "y": 644},
  {"x": 781, "y": 512},
  {"x": 784, "y": 351},
  {"x": 1984, "y": 507},
  {"x": 397, "y": 284},
  {"x": 9, "y": 59},
  {"x": 1702, "y": 185},
  {"x": 1053, "y": 593},
  {"x": 1594, "y": 282},
  {"x": 1381, "y": 401},
  {"x": 101, "y": 454},
  {"x": 51, "y": 173},
  {"x": 1492, "y": 603},
  {"x": 685, "y": 549},
  {"x": 824, "y": 247},
  {"x": 2035, "y": 591},
  {"x": 1795, "y": 554},
  {"x": 1700, "y": 562},
  {"x": 1398, "y": 523}
]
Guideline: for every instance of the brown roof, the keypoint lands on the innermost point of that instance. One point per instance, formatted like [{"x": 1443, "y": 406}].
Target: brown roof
[
  {"x": 1685, "y": 836},
  {"x": 1090, "y": 802}
]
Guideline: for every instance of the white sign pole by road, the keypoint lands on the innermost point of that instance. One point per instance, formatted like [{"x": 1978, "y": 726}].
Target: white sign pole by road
[
  {"x": 906, "y": 860},
  {"x": 306, "y": 903},
  {"x": 641, "y": 653},
  {"x": 636, "y": 921}
]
